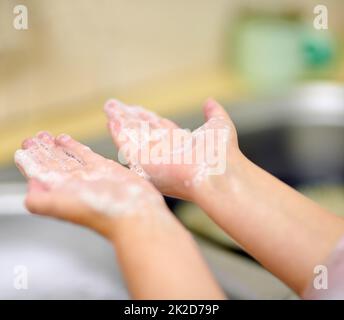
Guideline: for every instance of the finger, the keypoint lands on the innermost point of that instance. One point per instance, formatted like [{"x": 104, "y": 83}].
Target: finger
[
  {"x": 28, "y": 143},
  {"x": 127, "y": 115},
  {"x": 40, "y": 149},
  {"x": 45, "y": 137},
  {"x": 115, "y": 109},
  {"x": 76, "y": 150},
  {"x": 118, "y": 136},
  {"x": 166, "y": 123},
  {"x": 26, "y": 163}
]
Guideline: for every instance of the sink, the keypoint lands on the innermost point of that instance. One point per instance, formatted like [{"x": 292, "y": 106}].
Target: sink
[{"x": 42, "y": 258}]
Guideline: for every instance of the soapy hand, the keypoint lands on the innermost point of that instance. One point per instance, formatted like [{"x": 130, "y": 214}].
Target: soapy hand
[
  {"x": 177, "y": 161},
  {"x": 69, "y": 181}
]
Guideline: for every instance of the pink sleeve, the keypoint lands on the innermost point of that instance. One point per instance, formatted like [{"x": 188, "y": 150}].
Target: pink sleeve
[{"x": 335, "y": 276}]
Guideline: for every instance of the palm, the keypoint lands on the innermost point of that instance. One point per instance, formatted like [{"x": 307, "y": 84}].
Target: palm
[
  {"x": 74, "y": 177},
  {"x": 173, "y": 169}
]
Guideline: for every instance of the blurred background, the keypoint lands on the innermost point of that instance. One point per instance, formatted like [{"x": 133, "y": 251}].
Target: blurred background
[{"x": 280, "y": 78}]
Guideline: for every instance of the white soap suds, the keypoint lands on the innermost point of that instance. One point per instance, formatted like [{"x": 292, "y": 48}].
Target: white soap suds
[
  {"x": 200, "y": 174},
  {"x": 110, "y": 204},
  {"x": 102, "y": 172},
  {"x": 102, "y": 189},
  {"x": 104, "y": 203},
  {"x": 33, "y": 170},
  {"x": 139, "y": 171}
]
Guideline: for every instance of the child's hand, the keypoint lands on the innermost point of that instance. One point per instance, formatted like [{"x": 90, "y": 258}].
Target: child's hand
[
  {"x": 178, "y": 162},
  {"x": 69, "y": 181}
]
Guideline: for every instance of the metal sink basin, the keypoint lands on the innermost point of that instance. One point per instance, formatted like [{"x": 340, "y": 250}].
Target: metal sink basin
[
  {"x": 300, "y": 138},
  {"x": 59, "y": 260}
]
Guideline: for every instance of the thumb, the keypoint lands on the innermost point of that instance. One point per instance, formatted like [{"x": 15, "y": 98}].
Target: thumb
[
  {"x": 38, "y": 199},
  {"x": 63, "y": 205},
  {"x": 213, "y": 109}
]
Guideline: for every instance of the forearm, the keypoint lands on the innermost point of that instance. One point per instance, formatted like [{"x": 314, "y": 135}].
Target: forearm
[
  {"x": 160, "y": 260},
  {"x": 286, "y": 232}
]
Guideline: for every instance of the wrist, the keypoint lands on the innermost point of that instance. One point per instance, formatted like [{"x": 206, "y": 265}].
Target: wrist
[
  {"x": 149, "y": 222},
  {"x": 225, "y": 184}
]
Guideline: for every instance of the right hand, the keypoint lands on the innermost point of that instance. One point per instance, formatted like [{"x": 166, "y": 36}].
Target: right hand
[{"x": 177, "y": 179}]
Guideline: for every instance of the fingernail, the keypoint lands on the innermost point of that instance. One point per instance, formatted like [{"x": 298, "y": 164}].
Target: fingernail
[
  {"x": 109, "y": 106},
  {"x": 42, "y": 134},
  {"x": 63, "y": 137},
  {"x": 27, "y": 143},
  {"x": 211, "y": 104}
]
